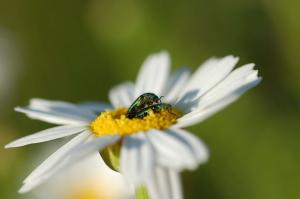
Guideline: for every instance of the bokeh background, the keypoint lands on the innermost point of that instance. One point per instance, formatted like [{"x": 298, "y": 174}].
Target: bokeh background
[{"x": 75, "y": 50}]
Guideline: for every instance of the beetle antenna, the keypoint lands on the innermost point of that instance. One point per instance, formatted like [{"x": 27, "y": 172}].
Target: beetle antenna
[{"x": 161, "y": 98}]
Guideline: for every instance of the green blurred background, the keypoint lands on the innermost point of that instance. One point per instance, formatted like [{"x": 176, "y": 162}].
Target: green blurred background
[{"x": 76, "y": 50}]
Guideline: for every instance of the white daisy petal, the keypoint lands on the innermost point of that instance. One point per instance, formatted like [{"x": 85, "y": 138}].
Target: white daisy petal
[
  {"x": 122, "y": 95},
  {"x": 176, "y": 187},
  {"x": 137, "y": 158},
  {"x": 93, "y": 145},
  {"x": 153, "y": 189},
  {"x": 167, "y": 148},
  {"x": 206, "y": 77},
  {"x": 41, "y": 173},
  {"x": 95, "y": 106},
  {"x": 126, "y": 158},
  {"x": 195, "y": 144},
  {"x": 32, "y": 184},
  {"x": 239, "y": 80},
  {"x": 59, "y": 107},
  {"x": 165, "y": 184},
  {"x": 28, "y": 186},
  {"x": 46, "y": 135},
  {"x": 202, "y": 114},
  {"x": 175, "y": 84},
  {"x": 146, "y": 158},
  {"x": 199, "y": 116},
  {"x": 129, "y": 159},
  {"x": 157, "y": 186},
  {"x": 73, "y": 154},
  {"x": 51, "y": 117},
  {"x": 153, "y": 74}
]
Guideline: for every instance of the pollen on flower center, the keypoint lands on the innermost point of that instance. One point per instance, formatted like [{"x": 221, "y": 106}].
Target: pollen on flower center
[{"x": 116, "y": 123}]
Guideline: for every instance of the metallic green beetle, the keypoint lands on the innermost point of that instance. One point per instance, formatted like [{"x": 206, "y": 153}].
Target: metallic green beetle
[
  {"x": 156, "y": 108},
  {"x": 142, "y": 102}
]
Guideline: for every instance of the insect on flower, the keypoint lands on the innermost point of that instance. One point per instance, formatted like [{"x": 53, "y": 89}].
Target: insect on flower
[
  {"x": 141, "y": 104},
  {"x": 156, "y": 108}
]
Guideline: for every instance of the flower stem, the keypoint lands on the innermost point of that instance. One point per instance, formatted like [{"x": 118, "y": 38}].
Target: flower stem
[{"x": 141, "y": 193}]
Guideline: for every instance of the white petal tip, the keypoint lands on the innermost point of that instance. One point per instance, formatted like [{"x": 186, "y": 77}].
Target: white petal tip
[
  {"x": 204, "y": 159},
  {"x": 24, "y": 189},
  {"x": 14, "y": 144},
  {"x": 256, "y": 81},
  {"x": 164, "y": 52},
  {"x": 191, "y": 167},
  {"x": 32, "y": 100},
  {"x": 259, "y": 79},
  {"x": 9, "y": 145},
  {"x": 29, "y": 185},
  {"x": 27, "y": 180},
  {"x": 236, "y": 58},
  {"x": 18, "y": 109},
  {"x": 250, "y": 65}
]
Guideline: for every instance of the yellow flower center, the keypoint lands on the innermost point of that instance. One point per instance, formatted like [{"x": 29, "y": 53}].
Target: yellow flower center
[{"x": 116, "y": 123}]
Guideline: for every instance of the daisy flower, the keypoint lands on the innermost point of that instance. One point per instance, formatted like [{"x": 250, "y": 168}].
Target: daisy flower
[{"x": 143, "y": 130}]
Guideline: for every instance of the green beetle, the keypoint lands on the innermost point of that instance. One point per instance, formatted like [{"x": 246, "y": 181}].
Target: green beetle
[
  {"x": 142, "y": 102},
  {"x": 156, "y": 108}
]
